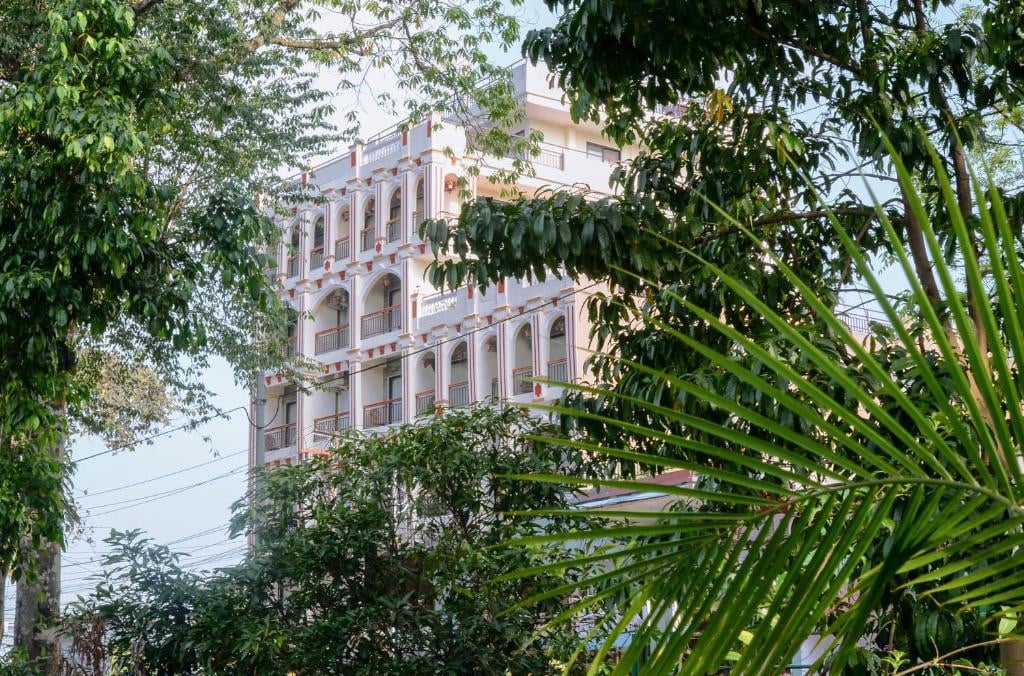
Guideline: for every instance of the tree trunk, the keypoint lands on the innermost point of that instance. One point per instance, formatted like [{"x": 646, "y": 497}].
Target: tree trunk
[
  {"x": 37, "y": 608},
  {"x": 1011, "y": 657}
]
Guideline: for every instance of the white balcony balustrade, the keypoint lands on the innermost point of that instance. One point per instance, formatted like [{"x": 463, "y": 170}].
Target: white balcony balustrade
[
  {"x": 366, "y": 237},
  {"x": 458, "y": 394},
  {"x": 293, "y": 267},
  {"x": 329, "y": 340},
  {"x": 522, "y": 380},
  {"x": 425, "y": 402},
  {"x": 282, "y": 436},
  {"x": 316, "y": 258},
  {"x": 558, "y": 370},
  {"x": 341, "y": 249},
  {"x": 330, "y": 426},
  {"x": 394, "y": 230},
  {"x": 381, "y": 321},
  {"x": 382, "y": 413}
]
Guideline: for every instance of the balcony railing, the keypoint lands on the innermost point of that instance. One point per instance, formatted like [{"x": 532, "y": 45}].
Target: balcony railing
[
  {"x": 316, "y": 258},
  {"x": 281, "y": 436},
  {"x": 424, "y": 402},
  {"x": 291, "y": 346},
  {"x": 366, "y": 237},
  {"x": 293, "y": 267},
  {"x": 458, "y": 393},
  {"x": 381, "y": 321},
  {"x": 394, "y": 230},
  {"x": 417, "y": 220},
  {"x": 329, "y": 340},
  {"x": 521, "y": 380},
  {"x": 330, "y": 425},
  {"x": 341, "y": 249},
  {"x": 494, "y": 387},
  {"x": 382, "y": 413},
  {"x": 558, "y": 370},
  {"x": 548, "y": 157}
]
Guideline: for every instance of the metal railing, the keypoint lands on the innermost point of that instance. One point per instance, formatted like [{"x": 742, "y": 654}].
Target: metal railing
[
  {"x": 291, "y": 346},
  {"x": 394, "y": 229},
  {"x": 417, "y": 220},
  {"x": 334, "y": 338},
  {"x": 521, "y": 380},
  {"x": 293, "y": 267},
  {"x": 381, "y": 321},
  {"x": 558, "y": 370},
  {"x": 366, "y": 237},
  {"x": 382, "y": 413},
  {"x": 341, "y": 249},
  {"x": 316, "y": 258},
  {"x": 425, "y": 402},
  {"x": 329, "y": 425},
  {"x": 281, "y": 436},
  {"x": 458, "y": 393},
  {"x": 494, "y": 387}
]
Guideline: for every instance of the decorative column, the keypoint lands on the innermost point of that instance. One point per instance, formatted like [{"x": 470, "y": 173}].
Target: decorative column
[
  {"x": 542, "y": 348},
  {"x": 355, "y": 392}
]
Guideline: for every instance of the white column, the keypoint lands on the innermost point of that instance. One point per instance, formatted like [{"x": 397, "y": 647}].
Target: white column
[{"x": 355, "y": 393}]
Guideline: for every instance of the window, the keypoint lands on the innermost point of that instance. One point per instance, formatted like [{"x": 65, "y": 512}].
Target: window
[{"x": 603, "y": 153}]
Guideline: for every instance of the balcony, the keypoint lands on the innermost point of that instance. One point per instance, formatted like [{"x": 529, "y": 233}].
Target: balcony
[
  {"x": 382, "y": 413},
  {"x": 329, "y": 340},
  {"x": 394, "y": 230},
  {"x": 282, "y": 436},
  {"x": 316, "y": 258},
  {"x": 366, "y": 237},
  {"x": 417, "y": 220},
  {"x": 424, "y": 402},
  {"x": 341, "y": 249},
  {"x": 558, "y": 370},
  {"x": 458, "y": 393},
  {"x": 330, "y": 425},
  {"x": 381, "y": 321},
  {"x": 494, "y": 387},
  {"x": 521, "y": 380},
  {"x": 291, "y": 346},
  {"x": 549, "y": 156},
  {"x": 293, "y": 267}
]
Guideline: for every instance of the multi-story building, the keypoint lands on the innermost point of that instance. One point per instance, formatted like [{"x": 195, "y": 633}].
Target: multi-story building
[{"x": 387, "y": 345}]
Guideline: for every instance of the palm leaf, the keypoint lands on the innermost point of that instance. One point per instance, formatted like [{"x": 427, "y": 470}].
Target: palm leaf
[{"x": 806, "y": 505}]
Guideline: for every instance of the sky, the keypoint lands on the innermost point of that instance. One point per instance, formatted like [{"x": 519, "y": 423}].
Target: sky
[{"x": 179, "y": 488}]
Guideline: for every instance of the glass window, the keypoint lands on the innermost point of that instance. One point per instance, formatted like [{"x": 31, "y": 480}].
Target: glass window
[{"x": 603, "y": 153}]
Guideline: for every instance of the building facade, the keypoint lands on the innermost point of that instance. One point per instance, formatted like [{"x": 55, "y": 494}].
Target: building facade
[{"x": 387, "y": 345}]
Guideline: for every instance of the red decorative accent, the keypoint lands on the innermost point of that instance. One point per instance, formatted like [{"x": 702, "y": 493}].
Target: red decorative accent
[
  {"x": 394, "y": 346},
  {"x": 391, "y": 257},
  {"x": 469, "y": 290},
  {"x": 337, "y": 366},
  {"x": 414, "y": 304},
  {"x": 458, "y": 328},
  {"x": 405, "y": 137},
  {"x": 419, "y": 162},
  {"x": 369, "y": 181},
  {"x": 450, "y": 184},
  {"x": 522, "y": 309},
  {"x": 343, "y": 191},
  {"x": 377, "y": 247},
  {"x": 319, "y": 283},
  {"x": 394, "y": 171},
  {"x": 291, "y": 293},
  {"x": 287, "y": 461},
  {"x": 536, "y": 390},
  {"x": 341, "y": 275},
  {"x": 423, "y": 249},
  {"x": 270, "y": 379},
  {"x": 490, "y": 319},
  {"x": 277, "y": 463},
  {"x": 430, "y": 128},
  {"x": 424, "y": 337},
  {"x": 501, "y": 287},
  {"x": 327, "y": 265},
  {"x": 352, "y": 159},
  {"x": 294, "y": 209},
  {"x": 454, "y": 160},
  {"x": 369, "y": 266}
]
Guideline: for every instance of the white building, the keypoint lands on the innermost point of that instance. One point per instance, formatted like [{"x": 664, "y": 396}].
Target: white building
[{"x": 388, "y": 345}]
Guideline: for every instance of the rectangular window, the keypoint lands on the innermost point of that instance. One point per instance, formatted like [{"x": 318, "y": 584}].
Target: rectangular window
[{"x": 603, "y": 153}]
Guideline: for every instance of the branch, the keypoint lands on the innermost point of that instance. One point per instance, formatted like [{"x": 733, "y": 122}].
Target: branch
[{"x": 144, "y": 6}]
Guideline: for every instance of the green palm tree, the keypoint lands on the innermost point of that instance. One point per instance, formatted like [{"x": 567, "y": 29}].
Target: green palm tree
[{"x": 801, "y": 530}]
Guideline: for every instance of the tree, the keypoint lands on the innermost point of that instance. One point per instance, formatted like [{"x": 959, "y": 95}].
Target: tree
[
  {"x": 768, "y": 110},
  {"x": 382, "y": 556},
  {"x": 137, "y": 139}
]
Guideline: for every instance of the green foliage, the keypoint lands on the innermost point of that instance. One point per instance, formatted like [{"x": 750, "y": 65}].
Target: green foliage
[{"x": 379, "y": 557}]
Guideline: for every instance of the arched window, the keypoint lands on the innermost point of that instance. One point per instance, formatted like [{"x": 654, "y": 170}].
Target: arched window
[
  {"x": 522, "y": 372},
  {"x": 293, "y": 252},
  {"x": 316, "y": 255},
  {"x": 425, "y": 396},
  {"x": 395, "y": 216},
  {"x": 369, "y": 232},
  {"x": 558, "y": 364},
  {"x": 458, "y": 388}
]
